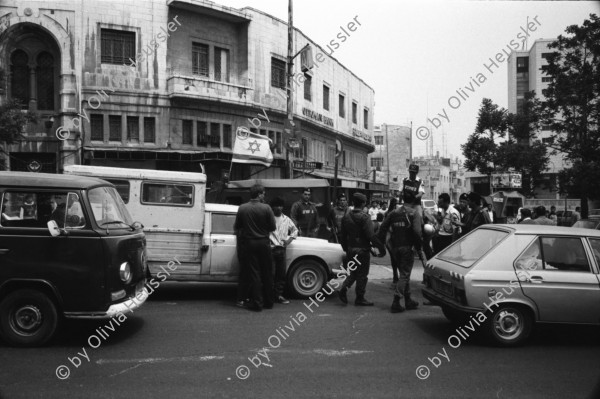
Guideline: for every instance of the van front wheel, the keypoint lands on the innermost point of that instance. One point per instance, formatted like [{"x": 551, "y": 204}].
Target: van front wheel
[
  {"x": 306, "y": 278},
  {"x": 27, "y": 318}
]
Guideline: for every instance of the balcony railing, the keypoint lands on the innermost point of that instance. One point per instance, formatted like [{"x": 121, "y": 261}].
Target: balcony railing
[{"x": 183, "y": 82}]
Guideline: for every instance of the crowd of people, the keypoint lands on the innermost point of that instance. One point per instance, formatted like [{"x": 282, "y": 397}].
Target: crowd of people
[{"x": 402, "y": 228}]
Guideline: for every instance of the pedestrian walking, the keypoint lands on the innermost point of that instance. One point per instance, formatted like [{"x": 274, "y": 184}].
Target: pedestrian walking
[
  {"x": 304, "y": 215},
  {"x": 253, "y": 225},
  {"x": 285, "y": 232},
  {"x": 388, "y": 245},
  {"x": 357, "y": 237},
  {"x": 405, "y": 224},
  {"x": 479, "y": 216}
]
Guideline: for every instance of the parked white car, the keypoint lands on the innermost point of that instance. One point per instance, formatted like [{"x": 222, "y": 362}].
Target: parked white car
[{"x": 310, "y": 261}]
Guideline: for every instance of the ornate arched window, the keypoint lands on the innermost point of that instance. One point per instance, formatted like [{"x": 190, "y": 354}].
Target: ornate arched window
[
  {"x": 20, "y": 77},
  {"x": 45, "y": 81}
]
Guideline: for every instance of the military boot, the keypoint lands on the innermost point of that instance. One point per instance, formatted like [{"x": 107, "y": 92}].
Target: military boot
[
  {"x": 396, "y": 307},
  {"x": 343, "y": 294},
  {"x": 410, "y": 304},
  {"x": 361, "y": 301}
]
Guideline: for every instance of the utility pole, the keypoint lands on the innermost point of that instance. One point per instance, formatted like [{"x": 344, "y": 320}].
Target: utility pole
[
  {"x": 290, "y": 89},
  {"x": 387, "y": 153}
]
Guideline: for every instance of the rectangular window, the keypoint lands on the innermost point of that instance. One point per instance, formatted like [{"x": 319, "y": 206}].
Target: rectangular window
[
  {"x": 278, "y": 72},
  {"x": 342, "y": 106},
  {"x": 167, "y": 194},
  {"x": 278, "y": 143},
  {"x": 114, "y": 127},
  {"x": 326, "y": 97},
  {"x": 36, "y": 209},
  {"x": 97, "y": 127},
  {"x": 378, "y": 140},
  {"x": 122, "y": 187},
  {"x": 522, "y": 64},
  {"x": 202, "y": 134},
  {"x": 200, "y": 59},
  {"x": 149, "y": 130},
  {"x": 222, "y": 223},
  {"x": 187, "y": 132},
  {"x": 133, "y": 129},
  {"x": 308, "y": 88},
  {"x": 221, "y": 64},
  {"x": 546, "y": 55},
  {"x": 117, "y": 46},
  {"x": 546, "y": 79},
  {"x": 215, "y": 134},
  {"x": 344, "y": 158},
  {"x": 366, "y": 118},
  {"x": 354, "y": 112},
  {"x": 377, "y": 162},
  {"x": 227, "y": 136}
]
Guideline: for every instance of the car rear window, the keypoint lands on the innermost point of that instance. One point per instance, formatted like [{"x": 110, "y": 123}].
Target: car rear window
[
  {"x": 587, "y": 224},
  {"x": 471, "y": 248}
]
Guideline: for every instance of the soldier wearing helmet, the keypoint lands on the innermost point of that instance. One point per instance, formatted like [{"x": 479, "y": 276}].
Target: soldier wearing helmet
[{"x": 405, "y": 224}]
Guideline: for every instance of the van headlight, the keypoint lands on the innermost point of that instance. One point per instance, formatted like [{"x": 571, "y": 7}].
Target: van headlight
[{"x": 125, "y": 272}]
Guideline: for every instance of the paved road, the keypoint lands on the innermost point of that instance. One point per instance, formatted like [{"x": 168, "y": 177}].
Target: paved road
[{"x": 189, "y": 339}]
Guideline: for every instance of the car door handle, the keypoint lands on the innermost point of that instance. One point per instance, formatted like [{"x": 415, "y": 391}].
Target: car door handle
[
  {"x": 215, "y": 241},
  {"x": 4, "y": 251},
  {"x": 535, "y": 280}
]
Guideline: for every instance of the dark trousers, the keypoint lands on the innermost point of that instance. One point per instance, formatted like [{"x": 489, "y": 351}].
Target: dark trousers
[
  {"x": 258, "y": 264},
  {"x": 427, "y": 247},
  {"x": 361, "y": 270},
  {"x": 405, "y": 258},
  {"x": 279, "y": 272},
  {"x": 394, "y": 262},
  {"x": 440, "y": 242}
]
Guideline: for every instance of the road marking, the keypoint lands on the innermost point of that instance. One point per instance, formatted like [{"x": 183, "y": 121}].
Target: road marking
[{"x": 151, "y": 360}]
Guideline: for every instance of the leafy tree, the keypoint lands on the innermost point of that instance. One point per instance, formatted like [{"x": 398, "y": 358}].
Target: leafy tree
[
  {"x": 503, "y": 141},
  {"x": 572, "y": 107},
  {"x": 13, "y": 120}
]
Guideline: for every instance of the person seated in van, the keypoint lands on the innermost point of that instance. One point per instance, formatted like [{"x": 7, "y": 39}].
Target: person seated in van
[
  {"x": 58, "y": 211},
  {"x": 29, "y": 208},
  {"x": 75, "y": 216}
]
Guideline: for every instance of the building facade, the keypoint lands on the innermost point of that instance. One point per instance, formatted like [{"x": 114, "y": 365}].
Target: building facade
[
  {"x": 391, "y": 158},
  {"x": 441, "y": 175},
  {"x": 165, "y": 85},
  {"x": 526, "y": 73}
]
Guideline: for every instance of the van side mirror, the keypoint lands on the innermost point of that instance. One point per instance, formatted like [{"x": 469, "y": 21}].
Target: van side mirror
[
  {"x": 55, "y": 231},
  {"x": 137, "y": 225}
]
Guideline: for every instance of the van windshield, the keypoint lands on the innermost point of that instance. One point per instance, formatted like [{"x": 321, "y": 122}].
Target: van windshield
[{"x": 108, "y": 208}]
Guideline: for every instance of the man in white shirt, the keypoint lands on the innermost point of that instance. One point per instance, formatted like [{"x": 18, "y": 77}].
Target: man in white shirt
[
  {"x": 285, "y": 232},
  {"x": 374, "y": 210}
]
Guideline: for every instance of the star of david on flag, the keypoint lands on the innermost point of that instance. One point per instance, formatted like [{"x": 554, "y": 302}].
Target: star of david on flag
[{"x": 251, "y": 148}]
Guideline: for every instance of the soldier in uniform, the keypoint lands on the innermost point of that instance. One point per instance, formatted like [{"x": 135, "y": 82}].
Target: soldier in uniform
[
  {"x": 304, "y": 215},
  {"x": 356, "y": 236},
  {"x": 414, "y": 185},
  {"x": 336, "y": 215},
  {"x": 405, "y": 223}
]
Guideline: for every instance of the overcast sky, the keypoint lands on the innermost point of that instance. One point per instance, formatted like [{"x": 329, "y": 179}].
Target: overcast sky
[{"x": 416, "y": 54}]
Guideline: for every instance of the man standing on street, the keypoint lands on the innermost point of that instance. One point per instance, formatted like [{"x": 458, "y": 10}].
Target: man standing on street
[
  {"x": 405, "y": 223},
  {"x": 283, "y": 235},
  {"x": 304, "y": 215},
  {"x": 254, "y": 223},
  {"x": 479, "y": 216},
  {"x": 356, "y": 237},
  {"x": 448, "y": 229},
  {"x": 336, "y": 215},
  {"x": 541, "y": 218}
]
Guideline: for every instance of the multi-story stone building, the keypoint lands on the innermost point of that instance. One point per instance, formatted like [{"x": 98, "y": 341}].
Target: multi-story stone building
[
  {"x": 441, "y": 175},
  {"x": 164, "y": 85},
  {"x": 391, "y": 158},
  {"x": 526, "y": 73}
]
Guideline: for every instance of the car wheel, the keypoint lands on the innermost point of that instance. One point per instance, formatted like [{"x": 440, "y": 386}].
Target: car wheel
[
  {"x": 306, "y": 278},
  {"x": 27, "y": 318},
  {"x": 509, "y": 325},
  {"x": 454, "y": 316}
]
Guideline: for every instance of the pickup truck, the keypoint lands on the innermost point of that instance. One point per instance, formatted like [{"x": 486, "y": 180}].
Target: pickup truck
[{"x": 180, "y": 225}]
